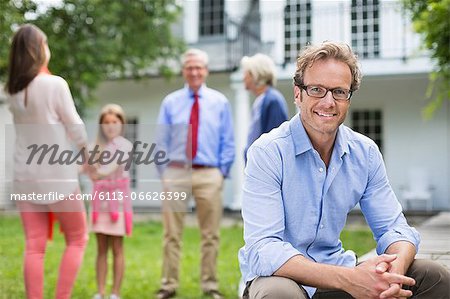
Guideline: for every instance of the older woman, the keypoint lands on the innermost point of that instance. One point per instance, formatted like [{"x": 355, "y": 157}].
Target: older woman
[{"x": 269, "y": 109}]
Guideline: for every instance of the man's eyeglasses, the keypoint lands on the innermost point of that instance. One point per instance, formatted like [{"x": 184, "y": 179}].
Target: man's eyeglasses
[{"x": 339, "y": 94}]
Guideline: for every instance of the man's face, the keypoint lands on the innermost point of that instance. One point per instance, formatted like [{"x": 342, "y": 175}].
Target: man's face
[
  {"x": 321, "y": 117},
  {"x": 194, "y": 72}
]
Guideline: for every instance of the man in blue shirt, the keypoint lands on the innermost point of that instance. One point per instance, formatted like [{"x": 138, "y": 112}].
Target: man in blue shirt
[
  {"x": 301, "y": 181},
  {"x": 200, "y": 145}
]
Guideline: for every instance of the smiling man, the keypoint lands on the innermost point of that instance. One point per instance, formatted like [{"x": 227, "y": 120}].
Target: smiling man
[
  {"x": 301, "y": 181},
  {"x": 200, "y": 158}
]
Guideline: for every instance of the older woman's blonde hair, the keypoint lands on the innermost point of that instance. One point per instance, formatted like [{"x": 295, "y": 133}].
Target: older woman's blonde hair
[
  {"x": 261, "y": 67},
  {"x": 328, "y": 50}
]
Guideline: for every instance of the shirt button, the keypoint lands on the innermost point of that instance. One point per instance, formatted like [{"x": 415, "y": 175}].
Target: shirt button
[
  {"x": 320, "y": 169},
  {"x": 321, "y": 226}
]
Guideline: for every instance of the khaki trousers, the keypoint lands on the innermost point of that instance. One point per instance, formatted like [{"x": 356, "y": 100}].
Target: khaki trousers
[
  {"x": 432, "y": 281},
  {"x": 205, "y": 184}
]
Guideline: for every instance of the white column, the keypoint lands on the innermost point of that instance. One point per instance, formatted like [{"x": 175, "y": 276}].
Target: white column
[
  {"x": 191, "y": 17},
  {"x": 272, "y": 27},
  {"x": 236, "y": 11},
  {"x": 242, "y": 123}
]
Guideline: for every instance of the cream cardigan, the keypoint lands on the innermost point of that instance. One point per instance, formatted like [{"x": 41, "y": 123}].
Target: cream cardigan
[{"x": 48, "y": 118}]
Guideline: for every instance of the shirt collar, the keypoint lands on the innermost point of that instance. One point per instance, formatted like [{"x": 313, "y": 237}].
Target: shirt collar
[
  {"x": 259, "y": 99},
  {"x": 341, "y": 143},
  {"x": 301, "y": 140},
  {"x": 303, "y": 144},
  {"x": 190, "y": 92}
]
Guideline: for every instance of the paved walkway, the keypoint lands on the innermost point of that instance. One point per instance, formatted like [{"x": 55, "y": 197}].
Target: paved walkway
[{"x": 435, "y": 240}]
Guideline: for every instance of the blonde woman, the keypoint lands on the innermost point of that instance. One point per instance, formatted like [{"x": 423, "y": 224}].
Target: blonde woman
[{"x": 269, "y": 109}]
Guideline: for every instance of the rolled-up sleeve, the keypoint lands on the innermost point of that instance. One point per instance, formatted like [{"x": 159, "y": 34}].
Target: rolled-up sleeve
[
  {"x": 263, "y": 214},
  {"x": 382, "y": 210}
]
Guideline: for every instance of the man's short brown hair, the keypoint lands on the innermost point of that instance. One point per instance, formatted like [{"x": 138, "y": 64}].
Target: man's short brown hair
[{"x": 328, "y": 50}]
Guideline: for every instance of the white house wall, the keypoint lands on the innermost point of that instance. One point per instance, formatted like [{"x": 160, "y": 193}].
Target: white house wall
[
  {"x": 5, "y": 162},
  {"x": 409, "y": 140}
]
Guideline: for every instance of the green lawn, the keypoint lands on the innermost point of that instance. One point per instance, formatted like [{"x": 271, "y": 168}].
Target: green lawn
[{"x": 143, "y": 261}]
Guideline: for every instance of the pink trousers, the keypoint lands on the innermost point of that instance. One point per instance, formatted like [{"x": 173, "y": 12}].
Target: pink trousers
[{"x": 72, "y": 220}]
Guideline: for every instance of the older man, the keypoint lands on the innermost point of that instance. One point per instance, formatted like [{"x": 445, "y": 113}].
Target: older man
[
  {"x": 200, "y": 160},
  {"x": 303, "y": 178}
]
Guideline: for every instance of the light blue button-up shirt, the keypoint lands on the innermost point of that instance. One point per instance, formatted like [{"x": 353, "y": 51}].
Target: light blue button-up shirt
[
  {"x": 294, "y": 205},
  {"x": 215, "y": 132}
]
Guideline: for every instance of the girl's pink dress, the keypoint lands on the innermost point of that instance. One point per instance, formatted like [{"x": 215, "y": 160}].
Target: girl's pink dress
[{"x": 112, "y": 212}]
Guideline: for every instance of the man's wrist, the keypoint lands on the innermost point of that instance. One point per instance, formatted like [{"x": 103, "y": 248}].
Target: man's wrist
[
  {"x": 344, "y": 278},
  {"x": 398, "y": 267}
]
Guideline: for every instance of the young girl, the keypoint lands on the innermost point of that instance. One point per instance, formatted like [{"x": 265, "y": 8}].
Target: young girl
[
  {"x": 111, "y": 207},
  {"x": 44, "y": 113}
]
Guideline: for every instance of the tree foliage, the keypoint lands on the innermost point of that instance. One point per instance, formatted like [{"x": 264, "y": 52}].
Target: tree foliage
[
  {"x": 92, "y": 40},
  {"x": 431, "y": 18},
  {"x": 12, "y": 13}
]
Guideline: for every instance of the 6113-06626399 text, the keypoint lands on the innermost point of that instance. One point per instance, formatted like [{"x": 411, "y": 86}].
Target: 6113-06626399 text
[{"x": 107, "y": 196}]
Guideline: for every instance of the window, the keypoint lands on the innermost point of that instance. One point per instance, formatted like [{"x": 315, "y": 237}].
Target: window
[
  {"x": 211, "y": 17},
  {"x": 369, "y": 123},
  {"x": 365, "y": 28},
  {"x": 297, "y": 27},
  {"x": 131, "y": 133}
]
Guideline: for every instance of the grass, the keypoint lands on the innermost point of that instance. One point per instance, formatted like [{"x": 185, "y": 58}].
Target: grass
[{"x": 143, "y": 261}]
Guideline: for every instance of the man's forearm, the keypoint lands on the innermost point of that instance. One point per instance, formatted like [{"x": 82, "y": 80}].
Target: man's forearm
[
  {"x": 306, "y": 272},
  {"x": 361, "y": 281},
  {"x": 405, "y": 252}
]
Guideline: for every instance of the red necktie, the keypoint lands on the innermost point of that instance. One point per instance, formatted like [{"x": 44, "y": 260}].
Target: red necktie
[{"x": 193, "y": 131}]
